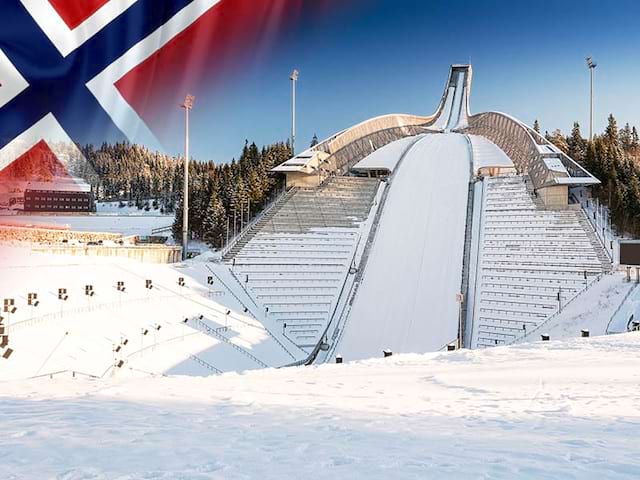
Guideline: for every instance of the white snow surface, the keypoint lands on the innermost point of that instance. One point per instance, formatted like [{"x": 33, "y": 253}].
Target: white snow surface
[
  {"x": 556, "y": 410},
  {"x": 80, "y": 334},
  {"x": 407, "y": 299},
  {"x": 123, "y": 224},
  {"x": 113, "y": 207},
  {"x": 387, "y": 157},
  {"x": 592, "y": 310},
  {"x": 487, "y": 154}
]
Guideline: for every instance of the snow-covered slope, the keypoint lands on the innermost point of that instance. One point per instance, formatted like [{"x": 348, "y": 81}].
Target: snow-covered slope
[
  {"x": 539, "y": 411},
  {"x": 143, "y": 328},
  {"x": 407, "y": 298}
]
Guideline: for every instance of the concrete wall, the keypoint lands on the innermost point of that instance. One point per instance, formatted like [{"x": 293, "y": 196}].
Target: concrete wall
[
  {"x": 44, "y": 235},
  {"x": 303, "y": 180},
  {"x": 145, "y": 254},
  {"x": 555, "y": 197}
]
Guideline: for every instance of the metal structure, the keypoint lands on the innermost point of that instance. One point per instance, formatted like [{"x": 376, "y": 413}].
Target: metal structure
[
  {"x": 187, "y": 105},
  {"x": 294, "y": 79},
  {"x": 349, "y": 146},
  {"x": 530, "y": 152},
  {"x": 592, "y": 66}
]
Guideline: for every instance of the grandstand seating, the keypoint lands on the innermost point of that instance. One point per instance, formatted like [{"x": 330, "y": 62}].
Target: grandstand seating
[
  {"x": 295, "y": 263},
  {"x": 532, "y": 260},
  {"x": 83, "y": 332}
]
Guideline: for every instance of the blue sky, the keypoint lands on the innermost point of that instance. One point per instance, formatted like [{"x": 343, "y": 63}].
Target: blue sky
[{"x": 371, "y": 57}]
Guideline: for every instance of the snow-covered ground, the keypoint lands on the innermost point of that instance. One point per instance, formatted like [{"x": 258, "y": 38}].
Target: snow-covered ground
[
  {"x": 593, "y": 310},
  {"x": 81, "y": 333},
  {"x": 109, "y": 223},
  {"x": 114, "y": 208},
  {"x": 557, "y": 410},
  {"x": 407, "y": 297}
]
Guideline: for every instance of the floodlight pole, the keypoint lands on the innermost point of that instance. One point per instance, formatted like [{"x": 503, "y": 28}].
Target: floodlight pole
[
  {"x": 294, "y": 79},
  {"x": 187, "y": 105},
  {"x": 592, "y": 66}
]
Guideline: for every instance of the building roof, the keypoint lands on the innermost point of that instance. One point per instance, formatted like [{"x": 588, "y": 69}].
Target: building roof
[
  {"x": 387, "y": 157},
  {"x": 305, "y": 162},
  {"x": 60, "y": 184},
  {"x": 487, "y": 154}
]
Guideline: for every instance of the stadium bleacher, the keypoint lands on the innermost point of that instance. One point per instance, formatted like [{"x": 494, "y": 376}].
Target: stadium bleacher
[
  {"x": 532, "y": 261},
  {"x": 295, "y": 263}
]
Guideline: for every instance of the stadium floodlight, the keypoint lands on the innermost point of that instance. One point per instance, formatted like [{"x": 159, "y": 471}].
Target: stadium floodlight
[
  {"x": 294, "y": 79},
  {"x": 591, "y": 65},
  {"x": 187, "y": 105}
]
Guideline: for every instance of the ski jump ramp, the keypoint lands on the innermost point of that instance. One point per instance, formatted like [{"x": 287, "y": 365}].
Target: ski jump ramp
[
  {"x": 408, "y": 284},
  {"x": 407, "y": 299}
]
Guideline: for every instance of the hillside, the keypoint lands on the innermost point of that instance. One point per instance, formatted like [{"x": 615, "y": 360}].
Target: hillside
[{"x": 466, "y": 414}]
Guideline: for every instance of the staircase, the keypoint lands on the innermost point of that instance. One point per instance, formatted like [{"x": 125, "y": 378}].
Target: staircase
[
  {"x": 248, "y": 233},
  {"x": 295, "y": 260},
  {"x": 601, "y": 252}
]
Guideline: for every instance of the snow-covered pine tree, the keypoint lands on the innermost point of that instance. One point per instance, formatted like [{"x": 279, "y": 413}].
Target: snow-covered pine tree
[
  {"x": 215, "y": 222},
  {"x": 577, "y": 144},
  {"x": 559, "y": 140}
]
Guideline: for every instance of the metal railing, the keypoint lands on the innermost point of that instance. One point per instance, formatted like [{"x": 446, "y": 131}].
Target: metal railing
[
  {"x": 203, "y": 327},
  {"x": 624, "y": 300},
  {"x": 521, "y": 144},
  {"x": 206, "y": 365},
  {"x": 248, "y": 309},
  {"x": 161, "y": 229},
  {"x": 564, "y": 307},
  {"x": 284, "y": 194}
]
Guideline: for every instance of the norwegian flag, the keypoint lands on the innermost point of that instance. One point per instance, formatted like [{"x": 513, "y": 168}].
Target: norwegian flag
[{"x": 91, "y": 71}]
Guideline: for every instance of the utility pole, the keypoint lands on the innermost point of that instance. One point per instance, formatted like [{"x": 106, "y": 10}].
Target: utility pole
[
  {"x": 592, "y": 66},
  {"x": 187, "y": 105},
  {"x": 294, "y": 79}
]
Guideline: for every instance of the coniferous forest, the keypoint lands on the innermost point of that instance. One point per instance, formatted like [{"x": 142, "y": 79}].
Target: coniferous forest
[
  {"x": 218, "y": 193},
  {"x": 614, "y": 158}
]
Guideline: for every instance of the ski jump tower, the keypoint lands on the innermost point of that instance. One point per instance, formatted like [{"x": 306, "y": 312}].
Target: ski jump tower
[
  {"x": 480, "y": 204},
  {"x": 551, "y": 171}
]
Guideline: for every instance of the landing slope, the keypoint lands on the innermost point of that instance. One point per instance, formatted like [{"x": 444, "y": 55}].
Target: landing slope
[{"x": 407, "y": 299}]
